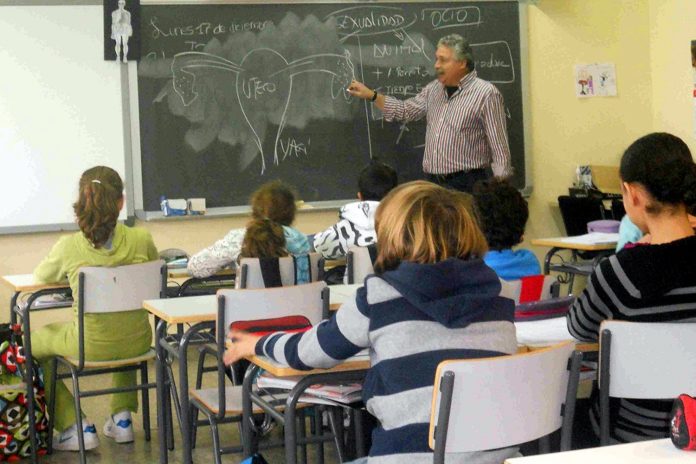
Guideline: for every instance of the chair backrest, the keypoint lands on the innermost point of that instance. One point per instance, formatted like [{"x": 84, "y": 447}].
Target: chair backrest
[
  {"x": 360, "y": 263},
  {"x": 648, "y": 360},
  {"x": 502, "y": 401},
  {"x": 276, "y": 272},
  {"x": 578, "y": 211},
  {"x": 530, "y": 288},
  {"x": 309, "y": 300},
  {"x": 122, "y": 288}
]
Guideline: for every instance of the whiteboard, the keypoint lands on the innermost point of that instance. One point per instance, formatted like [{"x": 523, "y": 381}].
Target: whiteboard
[{"x": 61, "y": 112}]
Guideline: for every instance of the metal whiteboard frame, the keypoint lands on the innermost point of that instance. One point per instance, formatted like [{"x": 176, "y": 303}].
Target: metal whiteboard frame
[{"x": 127, "y": 134}]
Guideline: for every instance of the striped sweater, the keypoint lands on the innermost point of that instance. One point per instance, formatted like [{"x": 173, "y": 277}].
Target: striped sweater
[
  {"x": 651, "y": 283},
  {"x": 410, "y": 318},
  {"x": 465, "y": 131}
]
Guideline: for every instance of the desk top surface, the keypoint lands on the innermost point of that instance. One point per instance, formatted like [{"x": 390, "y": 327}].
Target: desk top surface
[
  {"x": 192, "y": 309},
  {"x": 545, "y": 332},
  {"x": 26, "y": 283},
  {"x": 357, "y": 363},
  {"x": 565, "y": 242},
  {"x": 644, "y": 452},
  {"x": 182, "y": 273}
]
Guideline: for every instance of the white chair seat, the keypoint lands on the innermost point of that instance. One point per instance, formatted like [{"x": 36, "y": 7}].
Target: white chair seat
[
  {"x": 150, "y": 354},
  {"x": 233, "y": 400}
]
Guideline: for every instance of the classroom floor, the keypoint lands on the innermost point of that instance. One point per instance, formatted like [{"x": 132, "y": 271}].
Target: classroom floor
[{"x": 143, "y": 452}]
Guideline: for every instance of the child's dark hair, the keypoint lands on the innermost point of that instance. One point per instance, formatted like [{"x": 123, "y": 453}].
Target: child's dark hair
[
  {"x": 502, "y": 213},
  {"x": 263, "y": 239},
  {"x": 376, "y": 180},
  {"x": 662, "y": 164},
  {"x": 275, "y": 201},
  {"x": 97, "y": 205}
]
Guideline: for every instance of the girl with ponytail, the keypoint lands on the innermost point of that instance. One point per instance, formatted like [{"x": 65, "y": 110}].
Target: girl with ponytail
[
  {"x": 101, "y": 241},
  {"x": 649, "y": 282}
]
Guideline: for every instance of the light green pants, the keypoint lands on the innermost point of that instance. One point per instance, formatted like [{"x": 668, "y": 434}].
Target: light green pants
[{"x": 61, "y": 339}]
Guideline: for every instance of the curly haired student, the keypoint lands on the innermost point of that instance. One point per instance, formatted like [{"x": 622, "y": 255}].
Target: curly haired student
[
  {"x": 273, "y": 200},
  {"x": 503, "y": 214}
]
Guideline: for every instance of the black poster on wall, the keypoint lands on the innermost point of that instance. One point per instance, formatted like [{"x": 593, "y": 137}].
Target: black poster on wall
[{"x": 122, "y": 30}]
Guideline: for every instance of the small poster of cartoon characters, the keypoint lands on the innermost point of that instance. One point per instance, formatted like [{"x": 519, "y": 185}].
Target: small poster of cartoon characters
[{"x": 595, "y": 80}]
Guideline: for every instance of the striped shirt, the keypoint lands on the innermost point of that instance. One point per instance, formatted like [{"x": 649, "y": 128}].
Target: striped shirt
[
  {"x": 652, "y": 283},
  {"x": 466, "y": 131},
  {"x": 411, "y": 319}
]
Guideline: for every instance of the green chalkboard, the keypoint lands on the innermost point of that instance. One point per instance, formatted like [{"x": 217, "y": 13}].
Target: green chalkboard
[{"x": 232, "y": 95}]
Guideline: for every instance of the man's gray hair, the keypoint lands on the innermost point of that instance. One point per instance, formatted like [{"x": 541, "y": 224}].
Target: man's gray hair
[{"x": 461, "y": 48}]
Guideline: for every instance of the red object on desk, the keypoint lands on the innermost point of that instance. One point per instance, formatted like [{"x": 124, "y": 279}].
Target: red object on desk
[{"x": 288, "y": 324}]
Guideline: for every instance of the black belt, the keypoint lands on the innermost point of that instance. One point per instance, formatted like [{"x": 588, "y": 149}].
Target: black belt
[{"x": 452, "y": 175}]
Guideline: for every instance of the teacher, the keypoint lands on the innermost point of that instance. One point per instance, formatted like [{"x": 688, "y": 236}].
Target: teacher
[{"x": 466, "y": 137}]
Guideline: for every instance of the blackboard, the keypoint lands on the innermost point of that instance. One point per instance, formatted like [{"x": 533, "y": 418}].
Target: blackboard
[{"x": 232, "y": 95}]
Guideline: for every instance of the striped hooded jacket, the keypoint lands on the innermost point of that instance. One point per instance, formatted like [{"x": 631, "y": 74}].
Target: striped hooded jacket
[{"x": 410, "y": 318}]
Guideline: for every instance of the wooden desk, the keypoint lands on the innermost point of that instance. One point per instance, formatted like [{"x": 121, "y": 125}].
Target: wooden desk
[
  {"x": 339, "y": 294},
  {"x": 574, "y": 266},
  {"x": 644, "y": 452},
  {"x": 565, "y": 243},
  {"x": 200, "y": 312},
  {"x": 545, "y": 332},
  {"x": 25, "y": 283},
  {"x": 351, "y": 370}
]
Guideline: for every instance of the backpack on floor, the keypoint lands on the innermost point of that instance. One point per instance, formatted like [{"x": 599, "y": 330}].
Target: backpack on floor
[{"x": 14, "y": 418}]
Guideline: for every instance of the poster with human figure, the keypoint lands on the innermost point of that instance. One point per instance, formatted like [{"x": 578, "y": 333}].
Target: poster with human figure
[
  {"x": 595, "y": 80},
  {"x": 121, "y": 30}
]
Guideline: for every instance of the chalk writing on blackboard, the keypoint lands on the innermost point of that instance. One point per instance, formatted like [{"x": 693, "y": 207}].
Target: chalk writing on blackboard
[{"x": 263, "y": 76}]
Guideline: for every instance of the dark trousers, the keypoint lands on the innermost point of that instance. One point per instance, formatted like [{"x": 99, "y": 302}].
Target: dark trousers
[{"x": 461, "y": 180}]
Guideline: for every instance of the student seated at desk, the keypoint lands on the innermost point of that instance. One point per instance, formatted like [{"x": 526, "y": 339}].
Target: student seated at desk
[
  {"x": 432, "y": 298},
  {"x": 652, "y": 282},
  {"x": 503, "y": 213},
  {"x": 356, "y": 225},
  {"x": 108, "y": 336},
  {"x": 274, "y": 201}
]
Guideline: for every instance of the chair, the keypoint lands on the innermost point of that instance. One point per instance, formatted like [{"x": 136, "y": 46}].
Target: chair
[
  {"x": 107, "y": 290},
  {"x": 644, "y": 360},
  {"x": 484, "y": 404},
  {"x": 223, "y": 404},
  {"x": 276, "y": 272},
  {"x": 359, "y": 263}
]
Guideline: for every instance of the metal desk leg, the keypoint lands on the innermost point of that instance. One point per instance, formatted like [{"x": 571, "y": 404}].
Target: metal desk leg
[
  {"x": 248, "y": 439},
  {"x": 547, "y": 259},
  {"x": 29, "y": 378},
  {"x": 184, "y": 405},
  {"x": 162, "y": 395},
  {"x": 13, "y": 303}
]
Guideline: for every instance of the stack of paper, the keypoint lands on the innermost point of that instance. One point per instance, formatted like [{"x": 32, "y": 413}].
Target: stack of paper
[
  {"x": 339, "y": 393},
  {"x": 593, "y": 238}
]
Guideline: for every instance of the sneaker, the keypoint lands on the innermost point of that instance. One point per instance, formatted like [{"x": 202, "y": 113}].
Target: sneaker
[
  {"x": 119, "y": 427},
  {"x": 68, "y": 441}
]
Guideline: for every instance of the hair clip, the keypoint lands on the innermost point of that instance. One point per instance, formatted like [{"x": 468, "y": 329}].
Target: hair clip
[{"x": 96, "y": 181}]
